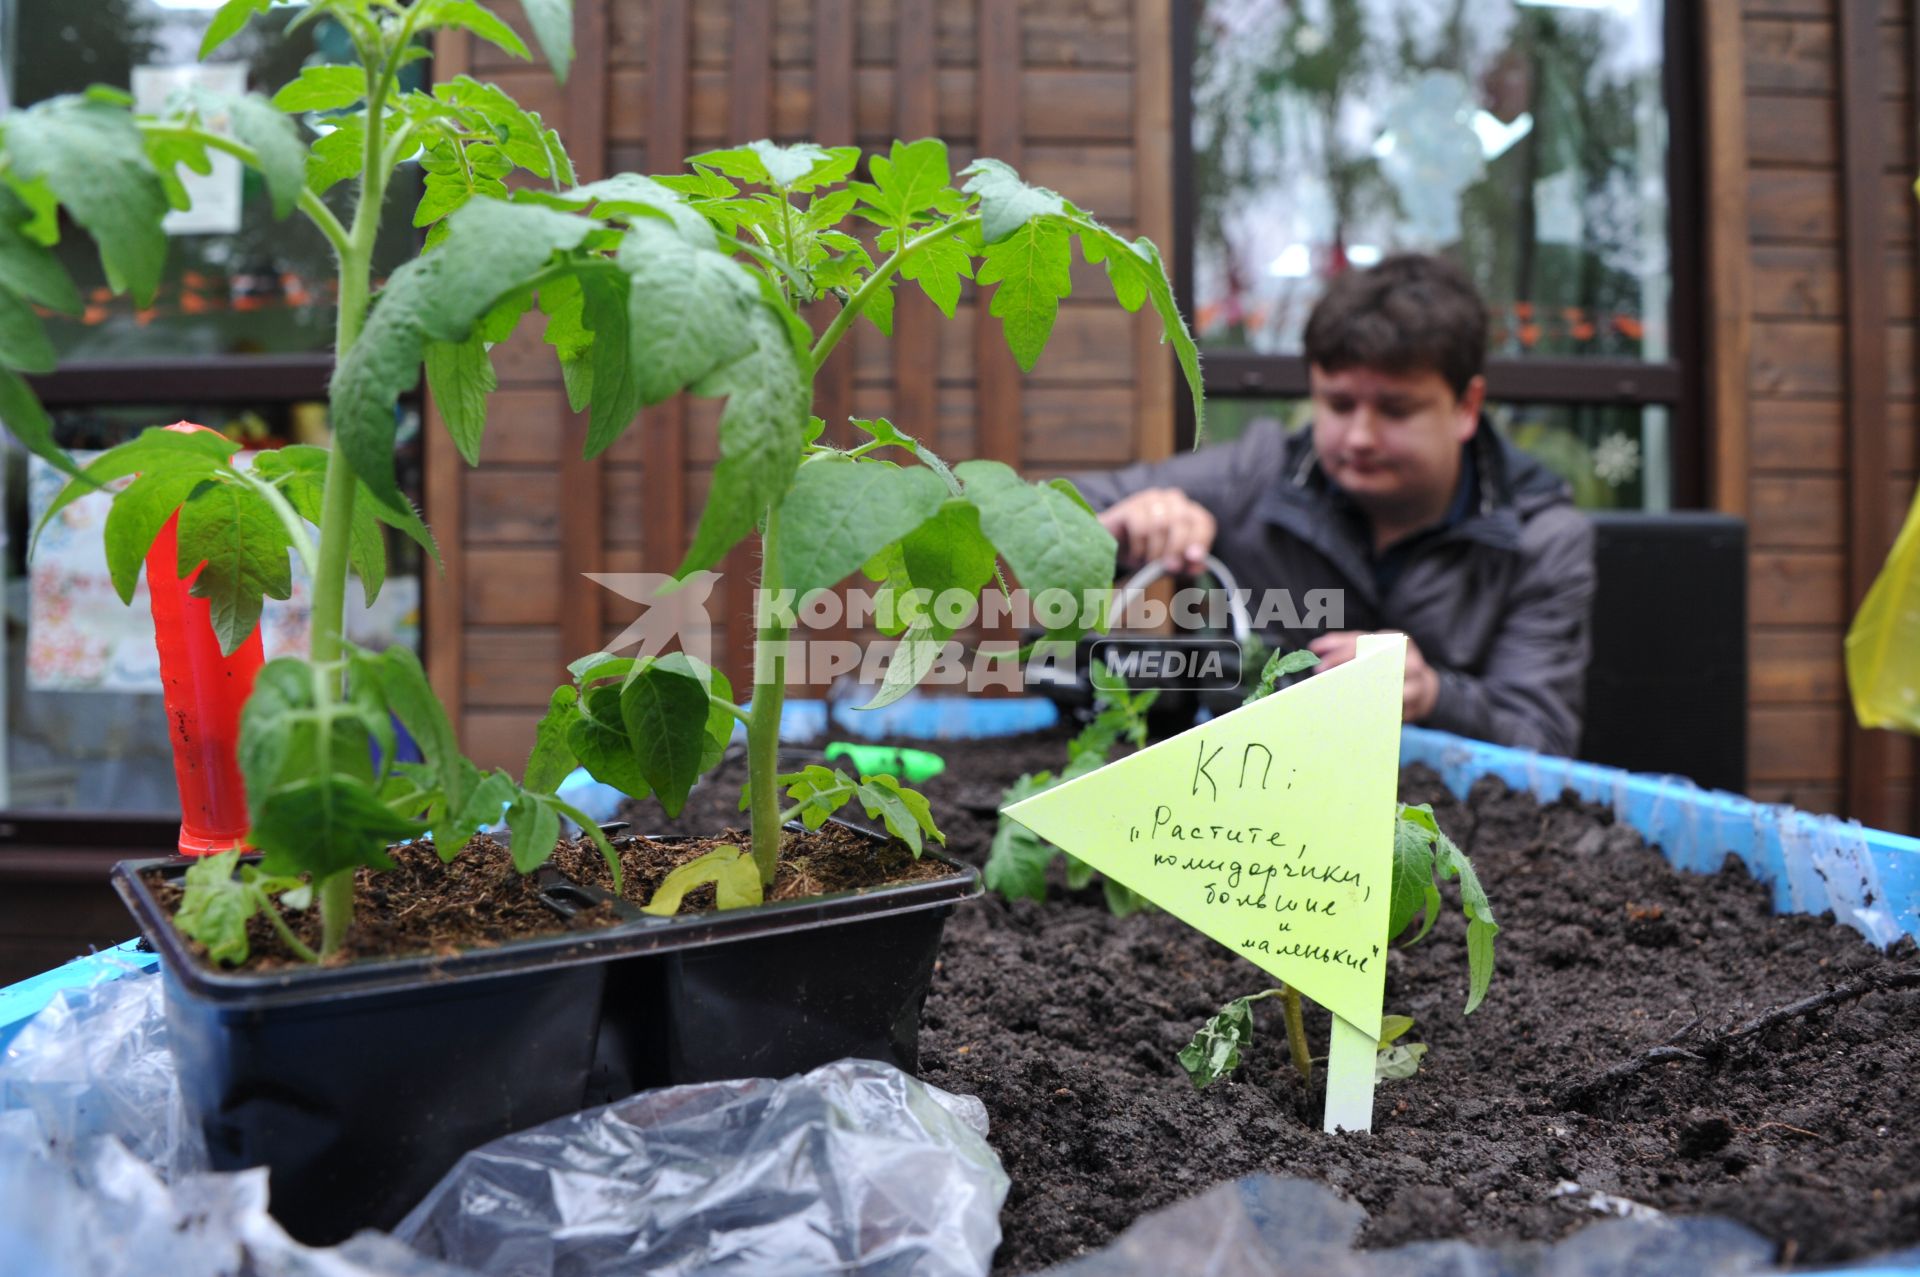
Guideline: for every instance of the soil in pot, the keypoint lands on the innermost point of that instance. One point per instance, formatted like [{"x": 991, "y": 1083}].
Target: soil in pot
[
  {"x": 479, "y": 900},
  {"x": 1065, "y": 1021}
]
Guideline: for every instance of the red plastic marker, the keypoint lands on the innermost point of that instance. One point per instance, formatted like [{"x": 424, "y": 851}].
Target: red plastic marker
[{"x": 204, "y": 693}]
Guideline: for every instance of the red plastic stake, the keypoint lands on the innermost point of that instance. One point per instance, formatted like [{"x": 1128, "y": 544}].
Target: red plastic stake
[{"x": 204, "y": 693}]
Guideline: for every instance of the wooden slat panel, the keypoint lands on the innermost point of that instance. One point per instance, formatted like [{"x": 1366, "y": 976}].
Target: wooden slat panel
[
  {"x": 583, "y": 511},
  {"x": 1805, "y": 435},
  {"x": 516, "y": 667},
  {"x": 512, "y": 586},
  {"x": 1866, "y": 134},
  {"x": 1091, "y": 342},
  {"x": 509, "y": 506},
  {"x": 916, "y": 351},
  {"x": 525, "y": 361},
  {"x": 501, "y": 737},
  {"x": 1081, "y": 426},
  {"x": 1805, "y": 131},
  {"x": 1814, "y": 796},
  {"x": 1153, "y": 168},
  {"x": 1099, "y": 179},
  {"x": 1794, "y": 742},
  {"x": 1793, "y": 204},
  {"x": 1789, "y": 55},
  {"x": 1728, "y": 309},
  {"x": 443, "y": 494},
  {"x": 668, "y": 36},
  {"x": 1797, "y": 666},
  {"x": 525, "y": 427},
  {"x": 1795, "y": 587},
  {"x": 1795, "y": 358},
  {"x": 1797, "y": 512}
]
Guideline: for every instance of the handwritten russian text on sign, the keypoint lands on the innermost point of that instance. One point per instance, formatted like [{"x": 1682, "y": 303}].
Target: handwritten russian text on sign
[{"x": 1270, "y": 829}]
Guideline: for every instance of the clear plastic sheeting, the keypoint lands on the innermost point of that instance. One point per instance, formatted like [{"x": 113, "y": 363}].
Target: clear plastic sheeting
[
  {"x": 1263, "y": 1226},
  {"x": 852, "y": 1168}
]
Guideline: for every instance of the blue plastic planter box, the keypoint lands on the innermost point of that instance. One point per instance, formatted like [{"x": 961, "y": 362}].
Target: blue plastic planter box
[{"x": 1870, "y": 879}]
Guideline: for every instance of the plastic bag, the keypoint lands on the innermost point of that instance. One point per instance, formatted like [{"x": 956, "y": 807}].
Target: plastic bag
[{"x": 852, "y": 1168}]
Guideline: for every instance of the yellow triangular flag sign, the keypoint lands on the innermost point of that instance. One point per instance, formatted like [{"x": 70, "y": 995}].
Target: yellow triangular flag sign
[{"x": 1271, "y": 830}]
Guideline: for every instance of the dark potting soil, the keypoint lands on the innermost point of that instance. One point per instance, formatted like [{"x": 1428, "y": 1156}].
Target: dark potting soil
[
  {"x": 479, "y": 900},
  {"x": 1065, "y": 1021}
]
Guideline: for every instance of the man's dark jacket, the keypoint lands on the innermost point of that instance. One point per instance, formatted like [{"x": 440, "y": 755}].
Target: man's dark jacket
[{"x": 1499, "y": 601}]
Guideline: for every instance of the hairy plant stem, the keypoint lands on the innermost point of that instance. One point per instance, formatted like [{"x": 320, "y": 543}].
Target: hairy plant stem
[
  {"x": 355, "y": 261},
  {"x": 1290, "y": 1013},
  {"x": 878, "y": 280},
  {"x": 763, "y": 720}
]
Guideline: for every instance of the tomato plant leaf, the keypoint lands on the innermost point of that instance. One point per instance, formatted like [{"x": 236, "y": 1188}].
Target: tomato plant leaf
[
  {"x": 325, "y": 824},
  {"x": 135, "y": 519},
  {"x": 299, "y": 471},
  {"x": 1047, "y": 538},
  {"x": 1033, "y": 268},
  {"x": 238, "y": 544},
  {"x": 938, "y": 268},
  {"x": 337, "y": 154},
  {"x": 1413, "y": 892},
  {"x": 1450, "y": 861},
  {"x": 1017, "y": 859},
  {"x": 768, "y": 395},
  {"x": 227, "y": 21},
  {"x": 92, "y": 157},
  {"x": 1137, "y": 273},
  {"x": 478, "y": 801},
  {"x": 663, "y": 705},
  {"x": 460, "y": 377},
  {"x": 467, "y": 15},
  {"x": 907, "y": 180},
  {"x": 216, "y": 906},
  {"x": 536, "y": 830},
  {"x": 552, "y": 759},
  {"x": 326, "y": 86},
  {"x": 1281, "y": 665},
  {"x": 905, "y": 813},
  {"x": 841, "y": 512},
  {"x": 28, "y": 267},
  {"x": 552, "y": 23},
  {"x": 23, "y": 341},
  {"x": 598, "y": 738},
  {"x": 688, "y": 310},
  {"x": 1215, "y": 1049},
  {"x": 1006, "y": 202},
  {"x": 736, "y": 881}
]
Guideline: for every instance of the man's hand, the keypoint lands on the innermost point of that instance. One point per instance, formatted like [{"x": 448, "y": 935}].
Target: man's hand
[
  {"x": 1163, "y": 524},
  {"x": 1417, "y": 694}
]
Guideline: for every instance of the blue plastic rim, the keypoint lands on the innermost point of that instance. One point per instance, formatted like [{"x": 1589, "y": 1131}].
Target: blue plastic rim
[{"x": 1869, "y": 878}]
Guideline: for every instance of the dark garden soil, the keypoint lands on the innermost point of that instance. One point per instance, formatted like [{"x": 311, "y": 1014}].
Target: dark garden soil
[{"x": 1065, "y": 1021}]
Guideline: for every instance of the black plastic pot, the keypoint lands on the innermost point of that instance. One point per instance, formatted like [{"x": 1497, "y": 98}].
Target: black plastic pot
[{"x": 358, "y": 1087}]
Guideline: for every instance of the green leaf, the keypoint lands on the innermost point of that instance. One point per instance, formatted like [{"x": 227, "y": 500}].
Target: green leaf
[
  {"x": 552, "y": 22},
  {"x": 1123, "y": 901},
  {"x": 228, "y": 19},
  {"x": 820, "y": 791},
  {"x": 938, "y": 268},
  {"x": 323, "y": 87},
  {"x": 460, "y": 377},
  {"x": 906, "y": 181},
  {"x": 616, "y": 394},
  {"x": 153, "y": 449},
  {"x": 1280, "y": 665},
  {"x": 232, "y": 535},
  {"x": 299, "y": 471},
  {"x": 1006, "y": 202},
  {"x": 796, "y": 168},
  {"x": 337, "y": 154},
  {"x": 635, "y": 200},
  {"x": 1033, "y": 267},
  {"x": 478, "y": 801},
  {"x": 1017, "y": 859},
  {"x": 1392, "y": 1028},
  {"x": 536, "y": 830},
  {"x": 28, "y": 267},
  {"x": 552, "y": 759},
  {"x": 905, "y": 813},
  {"x": 93, "y": 158},
  {"x": 663, "y": 706},
  {"x": 1137, "y": 271},
  {"x": 1399, "y": 1061},
  {"x": 768, "y": 395},
  {"x": 490, "y": 250},
  {"x": 482, "y": 21},
  {"x": 23, "y": 342},
  {"x": 598, "y": 738},
  {"x": 276, "y": 141},
  {"x": 1047, "y": 538},
  {"x": 326, "y": 824},
  {"x": 1413, "y": 891},
  {"x": 731, "y": 870},
  {"x": 135, "y": 519},
  {"x": 1450, "y": 861},
  {"x": 689, "y": 310},
  {"x": 841, "y": 512},
  {"x": 216, "y": 906},
  {"x": 1215, "y": 1049}
]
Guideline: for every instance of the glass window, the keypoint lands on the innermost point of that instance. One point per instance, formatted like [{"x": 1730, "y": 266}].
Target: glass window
[
  {"x": 237, "y": 280},
  {"x": 1525, "y": 138},
  {"x": 1613, "y": 456}
]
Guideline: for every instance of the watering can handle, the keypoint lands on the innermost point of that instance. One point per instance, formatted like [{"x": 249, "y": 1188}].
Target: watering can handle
[{"x": 1151, "y": 572}]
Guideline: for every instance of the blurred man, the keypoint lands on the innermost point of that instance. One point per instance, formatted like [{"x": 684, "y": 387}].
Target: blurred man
[{"x": 1404, "y": 498}]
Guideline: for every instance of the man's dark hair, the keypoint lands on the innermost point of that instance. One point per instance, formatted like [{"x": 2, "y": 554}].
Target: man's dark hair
[{"x": 1409, "y": 312}]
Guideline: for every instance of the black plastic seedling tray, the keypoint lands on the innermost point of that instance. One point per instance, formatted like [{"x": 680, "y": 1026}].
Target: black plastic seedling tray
[{"x": 359, "y": 1086}]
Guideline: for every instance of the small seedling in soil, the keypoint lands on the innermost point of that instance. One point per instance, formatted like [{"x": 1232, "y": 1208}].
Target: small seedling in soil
[
  {"x": 1018, "y": 859},
  {"x": 1421, "y": 851}
]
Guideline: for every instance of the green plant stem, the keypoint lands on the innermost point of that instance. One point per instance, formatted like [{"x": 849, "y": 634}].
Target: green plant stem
[
  {"x": 336, "y": 909},
  {"x": 309, "y": 203},
  {"x": 878, "y": 280},
  {"x": 290, "y": 520},
  {"x": 763, "y": 721},
  {"x": 730, "y": 707},
  {"x": 293, "y": 942},
  {"x": 1291, "y": 1013}
]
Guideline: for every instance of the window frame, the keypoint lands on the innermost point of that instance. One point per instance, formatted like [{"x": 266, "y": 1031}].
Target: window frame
[{"x": 1677, "y": 384}]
